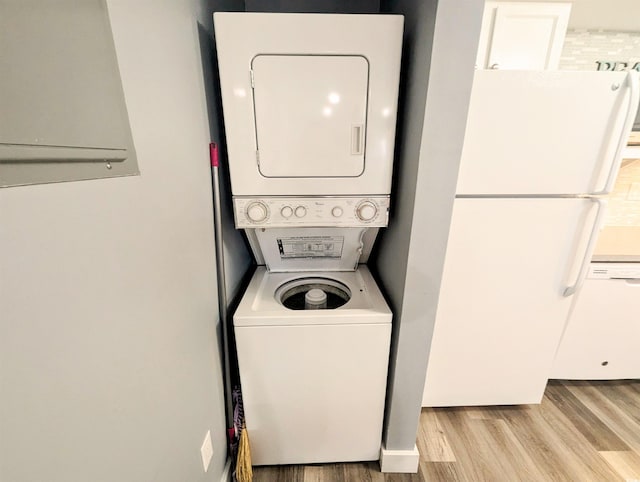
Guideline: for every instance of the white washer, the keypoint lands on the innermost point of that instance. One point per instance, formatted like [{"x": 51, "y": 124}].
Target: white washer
[{"x": 313, "y": 381}]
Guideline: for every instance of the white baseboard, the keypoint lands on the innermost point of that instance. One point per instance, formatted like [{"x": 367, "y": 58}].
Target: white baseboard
[
  {"x": 226, "y": 472},
  {"x": 399, "y": 461}
]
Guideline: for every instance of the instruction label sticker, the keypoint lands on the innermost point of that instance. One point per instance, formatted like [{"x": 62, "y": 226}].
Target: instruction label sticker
[{"x": 310, "y": 247}]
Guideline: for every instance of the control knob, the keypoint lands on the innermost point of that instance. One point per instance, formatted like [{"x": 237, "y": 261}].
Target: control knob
[
  {"x": 257, "y": 211},
  {"x": 366, "y": 211},
  {"x": 301, "y": 211},
  {"x": 286, "y": 212}
]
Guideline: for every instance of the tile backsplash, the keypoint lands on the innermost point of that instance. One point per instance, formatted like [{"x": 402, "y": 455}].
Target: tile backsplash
[{"x": 583, "y": 48}]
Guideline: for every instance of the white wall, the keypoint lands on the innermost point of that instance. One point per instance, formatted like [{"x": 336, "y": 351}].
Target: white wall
[
  {"x": 109, "y": 345},
  {"x": 621, "y": 15}
]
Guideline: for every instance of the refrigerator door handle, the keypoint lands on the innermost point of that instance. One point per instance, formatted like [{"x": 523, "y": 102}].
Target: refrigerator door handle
[
  {"x": 586, "y": 259},
  {"x": 634, "y": 94}
]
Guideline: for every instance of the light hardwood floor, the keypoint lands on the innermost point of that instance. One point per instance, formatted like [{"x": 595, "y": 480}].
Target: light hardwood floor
[{"x": 581, "y": 432}]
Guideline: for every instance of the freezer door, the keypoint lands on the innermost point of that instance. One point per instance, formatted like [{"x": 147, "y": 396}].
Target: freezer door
[
  {"x": 545, "y": 132},
  {"x": 503, "y": 302}
]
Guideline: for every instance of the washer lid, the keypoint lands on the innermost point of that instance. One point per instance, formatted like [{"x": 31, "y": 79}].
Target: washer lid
[
  {"x": 311, "y": 249},
  {"x": 261, "y": 305}
]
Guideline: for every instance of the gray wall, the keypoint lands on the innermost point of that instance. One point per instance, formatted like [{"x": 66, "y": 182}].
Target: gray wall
[
  {"x": 313, "y": 6},
  {"x": 109, "y": 343},
  {"x": 437, "y": 85},
  {"x": 39, "y": 41},
  {"x": 237, "y": 258}
]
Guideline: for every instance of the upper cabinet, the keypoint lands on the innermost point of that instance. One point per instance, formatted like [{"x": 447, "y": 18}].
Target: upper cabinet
[{"x": 522, "y": 35}]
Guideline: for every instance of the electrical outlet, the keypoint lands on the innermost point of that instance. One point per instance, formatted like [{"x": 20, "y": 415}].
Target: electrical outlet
[{"x": 206, "y": 451}]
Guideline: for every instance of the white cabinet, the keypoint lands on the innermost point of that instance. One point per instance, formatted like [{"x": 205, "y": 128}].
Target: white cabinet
[
  {"x": 603, "y": 334},
  {"x": 522, "y": 35}
]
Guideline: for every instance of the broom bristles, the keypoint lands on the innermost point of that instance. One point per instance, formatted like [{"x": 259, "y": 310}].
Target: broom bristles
[{"x": 244, "y": 472}]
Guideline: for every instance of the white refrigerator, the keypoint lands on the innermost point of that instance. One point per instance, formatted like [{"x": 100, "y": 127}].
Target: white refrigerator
[{"x": 541, "y": 149}]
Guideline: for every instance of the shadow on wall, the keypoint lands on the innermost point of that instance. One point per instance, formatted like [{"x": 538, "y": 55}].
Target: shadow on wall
[
  {"x": 314, "y": 6},
  {"x": 237, "y": 255}
]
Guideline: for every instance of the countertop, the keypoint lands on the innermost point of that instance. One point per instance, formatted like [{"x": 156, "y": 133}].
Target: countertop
[
  {"x": 618, "y": 243},
  {"x": 619, "y": 239}
]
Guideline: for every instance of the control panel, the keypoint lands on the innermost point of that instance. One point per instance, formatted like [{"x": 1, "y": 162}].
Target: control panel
[
  {"x": 271, "y": 212},
  {"x": 629, "y": 271}
]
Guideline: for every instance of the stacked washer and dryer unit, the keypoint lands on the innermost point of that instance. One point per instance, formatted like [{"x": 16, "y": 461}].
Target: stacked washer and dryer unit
[{"x": 309, "y": 105}]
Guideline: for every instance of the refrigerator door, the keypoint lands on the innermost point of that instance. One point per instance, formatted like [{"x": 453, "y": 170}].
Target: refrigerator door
[
  {"x": 546, "y": 132},
  {"x": 503, "y": 302}
]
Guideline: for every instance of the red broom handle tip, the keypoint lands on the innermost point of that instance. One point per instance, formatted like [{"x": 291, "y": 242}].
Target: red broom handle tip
[{"x": 213, "y": 154}]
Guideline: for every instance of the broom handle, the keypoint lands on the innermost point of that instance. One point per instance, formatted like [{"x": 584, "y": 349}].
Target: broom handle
[{"x": 222, "y": 284}]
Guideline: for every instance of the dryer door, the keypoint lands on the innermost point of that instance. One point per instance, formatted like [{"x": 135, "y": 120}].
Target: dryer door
[{"x": 310, "y": 115}]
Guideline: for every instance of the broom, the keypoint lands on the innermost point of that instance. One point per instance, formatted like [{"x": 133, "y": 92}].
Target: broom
[
  {"x": 244, "y": 472},
  {"x": 241, "y": 451}
]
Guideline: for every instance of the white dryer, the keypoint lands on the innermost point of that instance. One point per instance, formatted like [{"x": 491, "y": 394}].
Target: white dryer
[
  {"x": 309, "y": 106},
  {"x": 309, "y": 101}
]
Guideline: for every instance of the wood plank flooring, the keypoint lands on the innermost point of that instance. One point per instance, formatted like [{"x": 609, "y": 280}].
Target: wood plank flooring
[{"x": 582, "y": 431}]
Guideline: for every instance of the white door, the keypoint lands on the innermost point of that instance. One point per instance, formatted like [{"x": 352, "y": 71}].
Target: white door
[
  {"x": 523, "y": 36},
  {"x": 544, "y": 132},
  {"x": 603, "y": 334},
  {"x": 502, "y": 305},
  {"x": 310, "y": 114}
]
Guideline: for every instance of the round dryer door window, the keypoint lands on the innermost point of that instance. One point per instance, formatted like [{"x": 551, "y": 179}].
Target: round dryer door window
[{"x": 313, "y": 294}]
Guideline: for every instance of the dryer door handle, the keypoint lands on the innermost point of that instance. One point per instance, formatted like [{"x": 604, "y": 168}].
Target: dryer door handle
[{"x": 356, "y": 139}]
